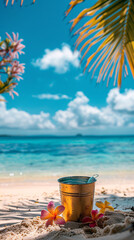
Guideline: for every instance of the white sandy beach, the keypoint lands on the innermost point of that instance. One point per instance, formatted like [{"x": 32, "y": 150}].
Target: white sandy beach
[{"x": 21, "y": 203}]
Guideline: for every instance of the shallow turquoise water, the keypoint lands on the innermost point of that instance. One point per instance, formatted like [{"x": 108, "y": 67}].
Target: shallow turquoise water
[{"x": 59, "y": 156}]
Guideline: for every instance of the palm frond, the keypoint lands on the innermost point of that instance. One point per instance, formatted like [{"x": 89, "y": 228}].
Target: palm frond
[
  {"x": 12, "y": 2},
  {"x": 111, "y": 24}
]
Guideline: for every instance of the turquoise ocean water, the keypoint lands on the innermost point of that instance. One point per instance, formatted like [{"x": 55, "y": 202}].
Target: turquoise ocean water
[{"x": 58, "y": 156}]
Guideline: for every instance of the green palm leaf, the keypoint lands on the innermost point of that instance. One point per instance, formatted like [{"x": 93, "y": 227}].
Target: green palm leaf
[{"x": 111, "y": 24}]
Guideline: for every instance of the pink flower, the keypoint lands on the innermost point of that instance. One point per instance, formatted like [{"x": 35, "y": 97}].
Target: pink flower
[
  {"x": 11, "y": 90},
  {"x": 95, "y": 215},
  {"x": 17, "y": 69},
  {"x": 16, "y": 45},
  {"x": 10, "y": 48},
  {"x": 52, "y": 215}
]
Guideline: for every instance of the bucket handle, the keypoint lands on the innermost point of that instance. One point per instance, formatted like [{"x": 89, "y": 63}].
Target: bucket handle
[
  {"x": 95, "y": 175},
  {"x": 93, "y": 178}
]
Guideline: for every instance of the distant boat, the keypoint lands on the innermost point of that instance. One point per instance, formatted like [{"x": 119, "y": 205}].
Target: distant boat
[{"x": 79, "y": 135}]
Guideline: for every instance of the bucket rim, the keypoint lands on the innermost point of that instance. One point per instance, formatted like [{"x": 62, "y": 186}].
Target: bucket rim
[{"x": 60, "y": 180}]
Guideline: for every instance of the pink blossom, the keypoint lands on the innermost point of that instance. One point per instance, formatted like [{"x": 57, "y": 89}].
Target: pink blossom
[
  {"x": 10, "y": 89},
  {"x": 95, "y": 215},
  {"x": 16, "y": 45},
  {"x": 52, "y": 215},
  {"x": 10, "y": 48},
  {"x": 11, "y": 93},
  {"x": 17, "y": 69}
]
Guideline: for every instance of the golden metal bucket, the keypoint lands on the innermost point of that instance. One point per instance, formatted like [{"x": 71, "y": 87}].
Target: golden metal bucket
[{"x": 76, "y": 198}]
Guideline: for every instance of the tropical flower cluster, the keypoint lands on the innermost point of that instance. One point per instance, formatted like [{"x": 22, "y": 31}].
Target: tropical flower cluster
[
  {"x": 52, "y": 215},
  {"x": 10, "y": 68}
]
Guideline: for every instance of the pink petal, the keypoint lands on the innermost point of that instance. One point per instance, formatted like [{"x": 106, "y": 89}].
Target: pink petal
[
  {"x": 10, "y": 93},
  {"x": 9, "y": 36},
  {"x": 45, "y": 215},
  {"x": 14, "y": 37},
  {"x": 100, "y": 215},
  {"x": 59, "y": 220},
  {"x": 94, "y": 213},
  {"x": 59, "y": 209},
  {"x": 87, "y": 220},
  {"x": 17, "y": 36},
  {"x": 21, "y": 52},
  {"x": 92, "y": 224},
  {"x": 51, "y": 207},
  {"x": 15, "y": 93},
  {"x": 21, "y": 40},
  {"x": 49, "y": 221}
]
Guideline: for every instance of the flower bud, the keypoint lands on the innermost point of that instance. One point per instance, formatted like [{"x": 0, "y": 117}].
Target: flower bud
[{"x": 7, "y": 40}]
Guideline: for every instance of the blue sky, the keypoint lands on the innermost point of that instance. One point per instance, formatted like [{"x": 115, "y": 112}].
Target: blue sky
[{"x": 53, "y": 80}]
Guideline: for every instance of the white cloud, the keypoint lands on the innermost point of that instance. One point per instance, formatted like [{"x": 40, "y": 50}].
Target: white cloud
[
  {"x": 59, "y": 59},
  {"x": 51, "y": 96},
  {"x": 79, "y": 76},
  {"x": 80, "y": 114},
  {"x": 121, "y": 102},
  {"x": 17, "y": 119}
]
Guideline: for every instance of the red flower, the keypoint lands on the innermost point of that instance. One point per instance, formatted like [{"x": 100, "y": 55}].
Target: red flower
[{"x": 95, "y": 215}]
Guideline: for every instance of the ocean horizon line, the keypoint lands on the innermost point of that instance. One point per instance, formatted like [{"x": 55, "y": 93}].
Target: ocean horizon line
[{"x": 67, "y": 136}]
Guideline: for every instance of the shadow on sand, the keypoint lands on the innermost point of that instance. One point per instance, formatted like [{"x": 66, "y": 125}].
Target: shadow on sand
[{"x": 12, "y": 214}]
